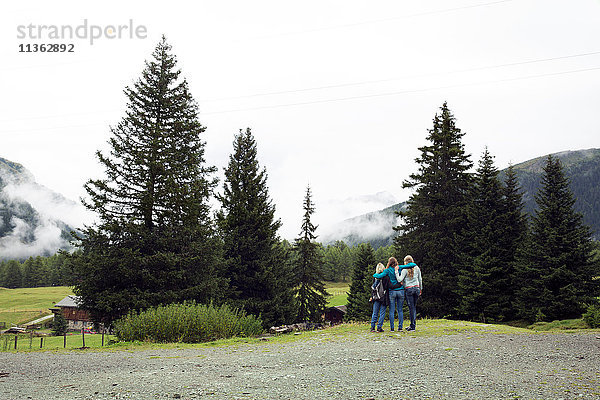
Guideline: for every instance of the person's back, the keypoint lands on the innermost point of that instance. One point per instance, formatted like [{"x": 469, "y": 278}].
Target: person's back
[{"x": 415, "y": 280}]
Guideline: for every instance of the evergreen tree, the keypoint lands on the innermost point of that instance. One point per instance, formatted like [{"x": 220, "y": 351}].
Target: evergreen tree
[
  {"x": 513, "y": 238},
  {"x": 332, "y": 258},
  {"x": 29, "y": 273},
  {"x": 346, "y": 261},
  {"x": 484, "y": 279},
  {"x": 556, "y": 274},
  {"x": 154, "y": 242},
  {"x": 431, "y": 226},
  {"x": 2, "y": 273},
  {"x": 13, "y": 275},
  {"x": 259, "y": 268},
  {"x": 359, "y": 307},
  {"x": 383, "y": 254},
  {"x": 311, "y": 293},
  {"x": 35, "y": 272},
  {"x": 59, "y": 324}
]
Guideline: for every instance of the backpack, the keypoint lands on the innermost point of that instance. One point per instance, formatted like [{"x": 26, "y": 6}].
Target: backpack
[{"x": 377, "y": 290}]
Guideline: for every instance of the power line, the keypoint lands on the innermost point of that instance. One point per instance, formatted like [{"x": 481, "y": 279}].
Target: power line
[
  {"x": 348, "y": 98},
  {"x": 377, "y": 21},
  {"x": 401, "y": 92},
  {"x": 351, "y": 97},
  {"x": 401, "y": 78},
  {"x": 350, "y": 84}
]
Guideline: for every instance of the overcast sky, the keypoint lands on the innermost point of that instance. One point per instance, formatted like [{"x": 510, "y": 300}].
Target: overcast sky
[{"x": 339, "y": 94}]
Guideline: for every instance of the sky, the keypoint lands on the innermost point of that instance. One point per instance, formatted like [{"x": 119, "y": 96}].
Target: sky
[{"x": 339, "y": 94}]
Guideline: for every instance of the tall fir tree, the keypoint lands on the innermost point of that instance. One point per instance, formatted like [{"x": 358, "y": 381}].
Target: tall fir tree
[
  {"x": 13, "y": 274},
  {"x": 431, "y": 226},
  {"x": 310, "y": 286},
  {"x": 556, "y": 274},
  {"x": 359, "y": 307},
  {"x": 484, "y": 278},
  {"x": 512, "y": 241},
  {"x": 154, "y": 242},
  {"x": 258, "y": 266}
]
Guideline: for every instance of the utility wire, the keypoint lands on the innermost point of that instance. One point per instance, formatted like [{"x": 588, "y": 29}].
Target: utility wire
[
  {"x": 350, "y": 97},
  {"x": 349, "y": 84},
  {"x": 401, "y": 78},
  {"x": 377, "y": 21},
  {"x": 401, "y": 92}
]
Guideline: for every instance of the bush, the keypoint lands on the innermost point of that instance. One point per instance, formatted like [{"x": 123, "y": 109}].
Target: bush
[
  {"x": 592, "y": 316},
  {"x": 59, "y": 325},
  {"x": 187, "y": 322}
]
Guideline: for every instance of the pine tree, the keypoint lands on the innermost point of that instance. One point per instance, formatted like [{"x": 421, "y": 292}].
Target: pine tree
[
  {"x": 154, "y": 242},
  {"x": 331, "y": 257},
  {"x": 259, "y": 268},
  {"x": 359, "y": 307},
  {"x": 59, "y": 324},
  {"x": 556, "y": 274},
  {"x": 431, "y": 226},
  {"x": 311, "y": 293},
  {"x": 513, "y": 238},
  {"x": 30, "y": 273},
  {"x": 484, "y": 279},
  {"x": 13, "y": 275}
]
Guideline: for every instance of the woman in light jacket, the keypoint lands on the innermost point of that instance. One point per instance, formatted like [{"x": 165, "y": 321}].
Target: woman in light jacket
[{"x": 413, "y": 287}]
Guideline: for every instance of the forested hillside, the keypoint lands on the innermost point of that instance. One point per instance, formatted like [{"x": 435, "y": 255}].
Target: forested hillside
[{"x": 582, "y": 167}]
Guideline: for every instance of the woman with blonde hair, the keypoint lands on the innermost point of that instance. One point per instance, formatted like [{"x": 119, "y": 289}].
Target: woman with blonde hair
[
  {"x": 379, "y": 305},
  {"x": 413, "y": 286},
  {"x": 396, "y": 292}
]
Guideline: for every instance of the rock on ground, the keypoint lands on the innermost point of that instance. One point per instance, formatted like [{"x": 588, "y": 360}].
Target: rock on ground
[{"x": 357, "y": 366}]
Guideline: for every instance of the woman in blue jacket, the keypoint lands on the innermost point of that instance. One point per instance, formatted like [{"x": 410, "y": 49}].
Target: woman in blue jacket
[{"x": 396, "y": 293}]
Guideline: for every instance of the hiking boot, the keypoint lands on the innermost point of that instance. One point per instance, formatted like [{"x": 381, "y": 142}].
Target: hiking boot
[{"x": 379, "y": 330}]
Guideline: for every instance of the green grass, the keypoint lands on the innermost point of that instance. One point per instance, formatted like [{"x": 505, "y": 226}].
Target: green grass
[
  {"x": 567, "y": 324},
  {"x": 338, "y": 292},
  {"x": 74, "y": 341},
  {"x": 348, "y": 331},
  {"x": 25, "y": 304}
]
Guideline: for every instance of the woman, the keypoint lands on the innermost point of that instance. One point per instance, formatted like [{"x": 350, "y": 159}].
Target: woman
[
  {"x": 379, "y": 306},
  {"x": 413, "y": 286},
  {"x": 396, "y": 293}
]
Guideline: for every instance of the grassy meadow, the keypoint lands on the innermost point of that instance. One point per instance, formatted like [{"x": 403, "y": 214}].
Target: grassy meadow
[
  {"x": 27, "y": 342},
  {"x": 22, "y": 305},
  {"x": 339, "y": 293}
]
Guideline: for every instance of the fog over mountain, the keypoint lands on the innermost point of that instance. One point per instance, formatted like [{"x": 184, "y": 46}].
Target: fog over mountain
[
  {"x": 34, "y": 220},
  {"x": 582, "y": 167}
]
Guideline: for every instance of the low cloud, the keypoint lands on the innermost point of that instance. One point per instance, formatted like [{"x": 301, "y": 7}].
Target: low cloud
[
  {"x": 46, "y": 237},
  {"x": 35, "y": 219},
  {"x": 373, "y": 224}
]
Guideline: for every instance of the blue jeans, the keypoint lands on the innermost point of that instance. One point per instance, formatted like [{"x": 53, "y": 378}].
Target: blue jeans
[
  {"x": 412, "y": 295},
  {"x": 378, "y": 314},
  {"x": 396, "y": 302}
]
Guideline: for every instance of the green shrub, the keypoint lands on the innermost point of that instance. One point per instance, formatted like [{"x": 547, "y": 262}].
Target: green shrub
[
  {"x": 592, "y": 316},
  {"x": 187, "y": 322},
  {"x": 59, "y": 325}
]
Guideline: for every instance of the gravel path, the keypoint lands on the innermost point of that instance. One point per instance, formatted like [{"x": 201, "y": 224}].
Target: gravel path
[{"x": 322, "y": 366}]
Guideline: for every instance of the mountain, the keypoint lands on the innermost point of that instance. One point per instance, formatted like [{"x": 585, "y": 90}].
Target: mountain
[
  {"x": 582, "y": 167},
  {"x": 33, "y": 219},
  {"x": 374, "y": 227}
]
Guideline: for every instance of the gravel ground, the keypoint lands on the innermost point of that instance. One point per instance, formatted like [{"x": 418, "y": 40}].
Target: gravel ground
[{"x": 355, "y": 366}]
